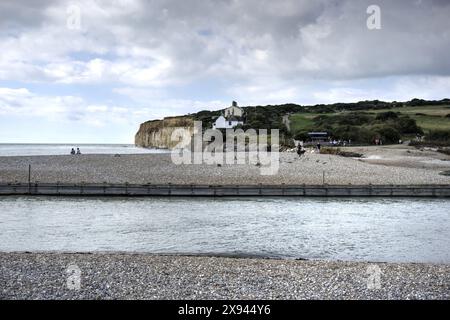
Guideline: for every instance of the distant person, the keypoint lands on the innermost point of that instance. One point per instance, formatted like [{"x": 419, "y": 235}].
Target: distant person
[
  {"x": 78, "y": 151},
  {"x": 72, "y": 152},
  {"x": 300, "y": 150},
  {"x": 318, "y": 147}
]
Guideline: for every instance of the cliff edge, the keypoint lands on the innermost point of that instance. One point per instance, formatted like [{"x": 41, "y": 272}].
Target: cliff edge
[{"x": 157, "y": 133}]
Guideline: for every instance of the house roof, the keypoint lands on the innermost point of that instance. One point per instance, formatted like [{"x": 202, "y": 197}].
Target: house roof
[
  {"x": 318, "y": 133},
  {"x": 234, "y": 107}
]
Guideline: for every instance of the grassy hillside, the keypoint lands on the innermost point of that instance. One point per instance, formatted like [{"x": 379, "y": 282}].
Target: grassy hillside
[
  {"x": 363, "y": 126},
  {"x": 427, "y": 117},
  {"x": 360, "y": 121}
]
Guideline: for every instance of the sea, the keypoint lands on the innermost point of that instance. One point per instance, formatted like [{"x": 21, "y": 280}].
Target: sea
[
  {"x": 350, "y": 229},
  {"x": 64, "y": 149}
]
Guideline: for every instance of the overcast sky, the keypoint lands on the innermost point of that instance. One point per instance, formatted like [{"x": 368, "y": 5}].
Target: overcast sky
[{"x": 91, "y": 71}]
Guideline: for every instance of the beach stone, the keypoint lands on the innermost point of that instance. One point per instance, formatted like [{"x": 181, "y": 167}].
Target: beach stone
[{"x": 147, "y": 276}]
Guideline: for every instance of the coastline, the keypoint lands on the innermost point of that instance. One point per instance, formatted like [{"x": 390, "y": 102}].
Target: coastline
[
  {"x": 409, "y": 168},
  {"x": 149, "y": 276},
  {"x": 120, "y": 275}
]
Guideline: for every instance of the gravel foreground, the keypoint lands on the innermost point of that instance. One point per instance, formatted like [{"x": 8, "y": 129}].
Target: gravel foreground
[{"x": 146, "y": 276}]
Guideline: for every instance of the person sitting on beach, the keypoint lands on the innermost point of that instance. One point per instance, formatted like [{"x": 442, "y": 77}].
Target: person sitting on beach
[
  {"x": 72, "y": 152},
  {"x": 78, "y": 151}
]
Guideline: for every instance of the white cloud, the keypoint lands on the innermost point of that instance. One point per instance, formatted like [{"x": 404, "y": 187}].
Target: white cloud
[
  {"x": 398, "y": 89},
  {"x": 136, "y": 73},
  {"x": 72, "y": 109},
  {"x": 22, "y": 102}
]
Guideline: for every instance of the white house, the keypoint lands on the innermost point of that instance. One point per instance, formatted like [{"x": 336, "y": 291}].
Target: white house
[
  {"x": 230, "y": 118},
  {"x": 222, "y": 123},
  {"x": 233, "y": 111}
]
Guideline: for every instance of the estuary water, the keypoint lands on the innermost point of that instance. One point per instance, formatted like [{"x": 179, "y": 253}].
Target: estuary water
[
  {"x": 355, "y": 229},
  {"x": 64, "y": 149}
]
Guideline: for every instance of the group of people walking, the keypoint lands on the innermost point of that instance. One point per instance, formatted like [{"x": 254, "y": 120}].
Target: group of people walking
[{"x": 73, "y": 152}]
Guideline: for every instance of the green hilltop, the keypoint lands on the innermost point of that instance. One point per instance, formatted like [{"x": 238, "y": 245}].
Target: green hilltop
[{"x": 360, "y": 122}]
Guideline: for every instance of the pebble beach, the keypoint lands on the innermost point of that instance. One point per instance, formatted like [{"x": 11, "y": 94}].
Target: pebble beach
[
  {"x": 159, "y": 169},
  {"x": 143, "y": 276}
]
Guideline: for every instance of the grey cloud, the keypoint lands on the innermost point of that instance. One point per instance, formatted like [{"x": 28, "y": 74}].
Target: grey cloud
[
  {"x": 295, "y": 39},
  {"x": 20, "y": 15},
  {"x": 414, "y": 38}
]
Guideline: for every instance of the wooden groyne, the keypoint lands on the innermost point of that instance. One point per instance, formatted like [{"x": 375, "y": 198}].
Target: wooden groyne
[{"x": 84, "y": 189}]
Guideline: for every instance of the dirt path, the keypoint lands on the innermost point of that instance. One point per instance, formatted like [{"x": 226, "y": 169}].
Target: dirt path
[{"x": 287, "y": 122}]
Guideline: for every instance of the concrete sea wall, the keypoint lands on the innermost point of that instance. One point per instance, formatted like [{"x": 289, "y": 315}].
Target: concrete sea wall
[{"x": 225, "y": 190}]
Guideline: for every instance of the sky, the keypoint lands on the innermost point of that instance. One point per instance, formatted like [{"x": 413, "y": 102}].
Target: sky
[{"x": 91, "y": 71}]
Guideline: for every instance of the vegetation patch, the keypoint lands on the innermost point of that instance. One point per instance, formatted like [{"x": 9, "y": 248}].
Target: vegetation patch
[
  {"x": 444, "y": 151},
  {"x": 363, "y": 127},
  {"x": 438, "y": 138},
  {"x": 361, "y": 122},
  {"x": 445, "y": 173},
  {"x": 339, "y": 152}
]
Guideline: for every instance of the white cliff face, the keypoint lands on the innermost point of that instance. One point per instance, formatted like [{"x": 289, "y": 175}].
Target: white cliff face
[{"x": 158, "y": 133}]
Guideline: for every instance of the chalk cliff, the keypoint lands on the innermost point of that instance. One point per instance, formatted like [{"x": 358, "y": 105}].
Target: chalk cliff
[{"x": 157, "y": 133}]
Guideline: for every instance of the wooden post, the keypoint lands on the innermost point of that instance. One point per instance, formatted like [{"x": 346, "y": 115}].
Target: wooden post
[{"x": 29, "y": 178}]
